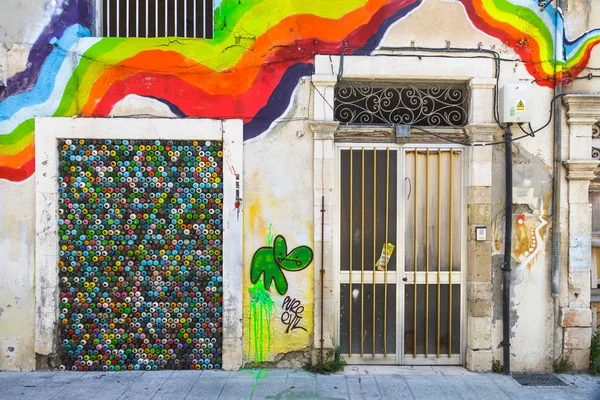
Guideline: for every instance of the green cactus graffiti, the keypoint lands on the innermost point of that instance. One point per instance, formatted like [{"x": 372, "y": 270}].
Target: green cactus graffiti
[{"x": 269, "y": 262}]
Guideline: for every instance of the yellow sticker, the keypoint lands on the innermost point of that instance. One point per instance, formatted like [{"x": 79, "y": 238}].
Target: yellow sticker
[
  {"x": 386, "y": 254},
  {"x": 520, "y": 106}
]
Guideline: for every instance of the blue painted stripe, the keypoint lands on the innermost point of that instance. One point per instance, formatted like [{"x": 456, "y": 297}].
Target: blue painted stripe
[{"x": 48, "y": 73}]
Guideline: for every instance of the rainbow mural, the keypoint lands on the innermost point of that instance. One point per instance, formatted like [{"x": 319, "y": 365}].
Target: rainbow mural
[{"x": 260, "y": 50}]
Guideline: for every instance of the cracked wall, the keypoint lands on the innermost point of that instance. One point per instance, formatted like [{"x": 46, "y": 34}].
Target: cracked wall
[
  {"x": 254, "y": 69},
  {"x": 531, "y": 314}
]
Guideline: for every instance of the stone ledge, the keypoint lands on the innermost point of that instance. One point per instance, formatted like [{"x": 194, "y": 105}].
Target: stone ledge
[
  {"x": 582, "y": 106},
  {"x": 575, "y": 317},
  {"x": 481, "y": 133},
  {"x": 577, "y": 338},
  {"x": 479, "y": 308},
  {"x": 479, "y": 290},
  {"x": 581, "y": 169},
  {"x": 479, "y": 360},
  {"x": 323, "y": 130}
]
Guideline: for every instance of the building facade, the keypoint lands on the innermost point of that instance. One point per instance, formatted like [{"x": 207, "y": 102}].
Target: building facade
[{"x": 198, "y": 185}]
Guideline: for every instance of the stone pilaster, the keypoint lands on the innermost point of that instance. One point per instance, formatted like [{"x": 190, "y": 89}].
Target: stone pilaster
[
  {"x": 583, "y": 111},
  {"x": 479, "y": 269},
  {"x": 324, "y": 184}
]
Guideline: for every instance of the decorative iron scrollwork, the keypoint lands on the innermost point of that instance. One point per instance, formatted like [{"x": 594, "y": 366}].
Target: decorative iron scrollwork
[
  {"x": 435, "y": 105},
  {"x": 596, "y": 130}
]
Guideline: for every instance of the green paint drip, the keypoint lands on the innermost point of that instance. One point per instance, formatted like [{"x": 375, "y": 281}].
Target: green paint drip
[
  {"x": 261, "y": 309},
  {"x": 270, "y": 236},
  {"x": 258, "y": 375}
]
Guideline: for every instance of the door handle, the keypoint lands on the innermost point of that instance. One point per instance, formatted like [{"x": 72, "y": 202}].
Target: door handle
[{"x": 405, "y": 279}]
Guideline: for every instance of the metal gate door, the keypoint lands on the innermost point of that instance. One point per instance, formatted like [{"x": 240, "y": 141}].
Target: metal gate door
[{"x": 400, "y": 218}]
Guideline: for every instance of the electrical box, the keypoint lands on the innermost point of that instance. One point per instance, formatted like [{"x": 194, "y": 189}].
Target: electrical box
[
  {"x": 480, "y": 234},
  {"x": 515, "y": 103}
]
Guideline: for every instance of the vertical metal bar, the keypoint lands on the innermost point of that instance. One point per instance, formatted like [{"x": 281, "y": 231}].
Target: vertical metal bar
[
  {"x": 362, "y": 254},
  {"x": 155, "y": 18},
  {"x": 204, "y": 11},
  {"x": 185, "y": 18},
  {"x": 99, "y": 18},
  {"x": 137, "y": 18},
  {"x": 374, "y": 242},
  {"x": 127, "y": 18},
  {"x": 166, "y": 18},
  {"x": 118, "y": 19},
  {"x": 427, "y": 254},
  {"x": 439, "y": 248},
  {"x": 450, "y": 256},
  {"x": 415, "y": 262},
  {"x": 107, "y": 33},
  {"x": 506, "y": 270},
  {"x": 195, "y": 29},
  {"x": 147, "y": 14},
  {"x": 176, "y": 16},
  {"x": 351, "y": 245},
  {"x": 387, "y": 195}
]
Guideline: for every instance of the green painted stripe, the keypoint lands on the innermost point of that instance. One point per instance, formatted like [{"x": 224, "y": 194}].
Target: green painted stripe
[
  {"x": 69, "y": 104},
  {"x": 526, "y": 14},
  {"x": 25, "y": 128}
]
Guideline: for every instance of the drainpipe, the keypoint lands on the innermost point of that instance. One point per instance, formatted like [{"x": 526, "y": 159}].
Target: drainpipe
[
  {"x": 558, "y": 91},
  {"x": 322, "y": 275},
  {"x": 506, "y": 270}
]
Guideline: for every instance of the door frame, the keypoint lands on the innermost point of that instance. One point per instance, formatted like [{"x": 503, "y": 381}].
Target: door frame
[
  {"x": 50, "y": 129},
  {"x": 400, "y": 358}
]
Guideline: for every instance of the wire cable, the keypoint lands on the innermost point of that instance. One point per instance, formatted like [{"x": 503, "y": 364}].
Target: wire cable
[
  {"x": 482, "y": 144},
  {"x": 532, "y": 133}
]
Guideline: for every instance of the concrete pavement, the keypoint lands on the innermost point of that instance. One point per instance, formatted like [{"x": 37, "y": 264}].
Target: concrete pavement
[{"x": 353, "y": 383}]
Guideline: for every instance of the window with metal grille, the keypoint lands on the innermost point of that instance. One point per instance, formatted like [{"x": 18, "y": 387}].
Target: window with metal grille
[
  {"x": 435, "y": 105},
  {"x": 157, "y": 18}
]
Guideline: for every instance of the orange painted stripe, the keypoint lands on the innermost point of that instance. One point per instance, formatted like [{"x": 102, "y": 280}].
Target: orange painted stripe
[
  {"x": 239, "y": 78},
  {"x": 17, "y": 160}
]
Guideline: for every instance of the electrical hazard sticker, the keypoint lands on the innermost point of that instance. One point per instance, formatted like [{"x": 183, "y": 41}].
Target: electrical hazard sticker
[{"x": 520, "y": 106}]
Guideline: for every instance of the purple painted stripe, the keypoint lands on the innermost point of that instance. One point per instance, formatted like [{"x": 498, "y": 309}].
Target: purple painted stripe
[
  {"x": 74, "y": 12},
  {"x": 281, "y": 97},
  {"x": 278, "y": 101},
  {"x": 174, "y": 109},
  {"x": 378, "y": 36}
]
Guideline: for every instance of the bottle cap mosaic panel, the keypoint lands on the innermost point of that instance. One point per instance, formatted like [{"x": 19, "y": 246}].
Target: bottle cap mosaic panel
[{"x": 140, "y": 254}]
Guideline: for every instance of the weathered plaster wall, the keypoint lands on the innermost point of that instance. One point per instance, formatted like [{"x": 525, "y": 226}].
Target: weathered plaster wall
[
  {"x": 274, "y": 326},
  {"x": 253, "y": 69},
  {"x": 17, "y": 239},
  {"x": 23, "y": 20}
]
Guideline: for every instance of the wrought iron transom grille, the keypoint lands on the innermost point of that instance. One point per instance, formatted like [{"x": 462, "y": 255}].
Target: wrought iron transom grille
[
  {"x": 435, "y": 105},
  {"x": 595, "y": 136}
]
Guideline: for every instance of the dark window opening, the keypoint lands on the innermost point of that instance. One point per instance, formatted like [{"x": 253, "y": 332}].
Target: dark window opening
[{"x": 157, "y": 18}]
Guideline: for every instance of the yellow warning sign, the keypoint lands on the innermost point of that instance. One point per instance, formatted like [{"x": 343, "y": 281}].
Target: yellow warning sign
[{"x": 520, "y": 106}]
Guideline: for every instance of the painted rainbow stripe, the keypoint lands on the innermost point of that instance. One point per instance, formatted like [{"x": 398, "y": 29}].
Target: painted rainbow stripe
[{"x": 260, "y": 50}]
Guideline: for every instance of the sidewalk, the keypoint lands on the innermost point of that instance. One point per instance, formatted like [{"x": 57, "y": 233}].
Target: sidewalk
[{"x": 354, "y": 383}]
